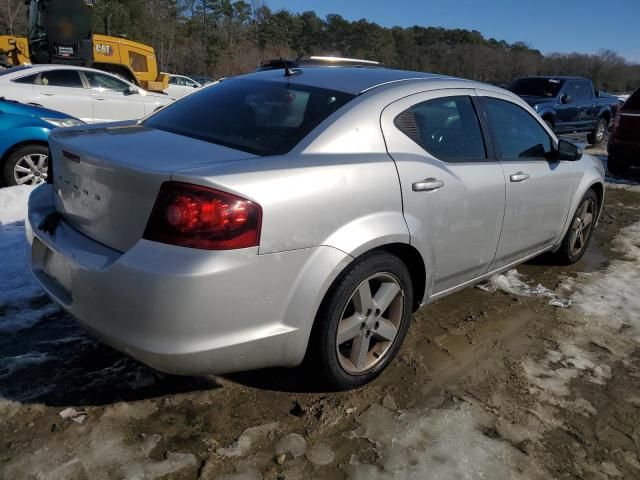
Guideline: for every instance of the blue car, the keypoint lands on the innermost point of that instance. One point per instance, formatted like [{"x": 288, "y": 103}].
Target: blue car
[{"x": 24, "y": 132}]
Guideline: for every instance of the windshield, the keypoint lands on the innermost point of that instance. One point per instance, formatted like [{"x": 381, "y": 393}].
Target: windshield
[
  {"x": 259, "y": 117},
  {"x": 537, "y": 87}
]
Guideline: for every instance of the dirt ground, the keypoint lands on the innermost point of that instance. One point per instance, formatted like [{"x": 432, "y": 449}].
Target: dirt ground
[{"x": 488, "y": 385}]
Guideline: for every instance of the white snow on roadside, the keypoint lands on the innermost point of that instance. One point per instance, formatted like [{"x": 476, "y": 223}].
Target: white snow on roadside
[
  {"x": 437, "y": 445},
  {"x": 17, "y": 287},
  {"x": 619, "y": 184},
  {"x": 451, "y": 443}
]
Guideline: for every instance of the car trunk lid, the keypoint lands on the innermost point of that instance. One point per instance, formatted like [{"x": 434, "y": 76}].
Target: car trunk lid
[{"x": 107, "y": 178}]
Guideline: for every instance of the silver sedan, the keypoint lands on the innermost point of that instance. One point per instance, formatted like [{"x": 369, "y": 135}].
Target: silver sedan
[{"x": 305, "y": 214}]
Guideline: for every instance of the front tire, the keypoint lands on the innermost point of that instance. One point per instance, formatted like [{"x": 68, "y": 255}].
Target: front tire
[
  {"x": 28, "y": 165},
  {"x": 362, "y": 321},
  {"x": 577, "y": 238},
  {"x": 597, "y": 135}
]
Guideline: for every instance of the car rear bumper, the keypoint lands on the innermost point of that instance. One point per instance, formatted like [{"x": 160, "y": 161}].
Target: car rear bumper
[{"x": 183, "y": 310}]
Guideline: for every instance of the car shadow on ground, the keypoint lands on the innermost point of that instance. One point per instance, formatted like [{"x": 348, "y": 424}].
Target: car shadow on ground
[{"x": 56, "y": 363}]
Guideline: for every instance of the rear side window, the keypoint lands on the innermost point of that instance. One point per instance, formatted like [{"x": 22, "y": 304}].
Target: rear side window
[
  {"x": 259, "y": 117},
  {"x": 60, "y": 78},
  {"x": 29, "y": 79},
  {"x": 515, "y": 132},
  {"x": 633, "y": 102},
  {"x": 447, "y": 128}
]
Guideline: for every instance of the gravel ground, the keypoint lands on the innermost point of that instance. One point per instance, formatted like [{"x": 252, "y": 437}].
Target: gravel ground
[{"x": 497, "y": 385}]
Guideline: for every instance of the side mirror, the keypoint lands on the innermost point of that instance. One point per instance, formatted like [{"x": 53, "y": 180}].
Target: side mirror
[
  {"x": 566, "y": 98},
  {"x": 132, "y": 90},
  {"x": 568, "y": 151}
]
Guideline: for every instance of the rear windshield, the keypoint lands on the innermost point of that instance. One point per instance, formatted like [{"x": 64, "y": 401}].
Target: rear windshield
[
  {"x": 259, "y": 117},
  {"x": 536, "y": 87},
  {"x": 633, "y": 102}
]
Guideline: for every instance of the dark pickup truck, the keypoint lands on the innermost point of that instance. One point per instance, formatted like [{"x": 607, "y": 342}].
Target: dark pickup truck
[{"x": 569, "y": 104}]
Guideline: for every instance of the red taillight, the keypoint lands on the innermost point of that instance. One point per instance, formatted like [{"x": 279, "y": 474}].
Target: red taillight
[{"x": 200, "y": 217}]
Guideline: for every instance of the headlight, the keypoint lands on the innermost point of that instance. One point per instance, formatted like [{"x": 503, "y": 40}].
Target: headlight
[{"x": 63, "y": 122}]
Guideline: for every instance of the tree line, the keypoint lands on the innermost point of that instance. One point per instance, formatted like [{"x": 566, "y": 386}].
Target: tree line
[{"x": 226, "y": 37}]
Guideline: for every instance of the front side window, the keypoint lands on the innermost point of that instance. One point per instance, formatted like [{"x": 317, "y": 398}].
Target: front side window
[
  {"x": 105, "y": 82},
  {"x": 579, "y": 91},
  {"x": 515, "y": 132},
  {"x": 260, "y": 117},
  {"x": 60, "y": 78},
  {"x": 447, "y": 128}
]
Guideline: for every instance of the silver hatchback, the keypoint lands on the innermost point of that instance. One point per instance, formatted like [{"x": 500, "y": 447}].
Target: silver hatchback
[{"x": 291, "y": 215}]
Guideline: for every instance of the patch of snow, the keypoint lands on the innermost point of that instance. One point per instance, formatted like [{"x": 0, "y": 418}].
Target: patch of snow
[
  {"x": 514, "y": 283},
  {"x": 243, "y": 445},
  {"x": 19, "y": 293},
  {"x": 293, "y": 444},
  {"x": 439, "y": 444},
  {"x": 622, "y": 184},
  {"x": 320, "y": 455}
]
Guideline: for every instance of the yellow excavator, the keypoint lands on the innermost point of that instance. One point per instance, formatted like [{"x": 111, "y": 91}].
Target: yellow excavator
[{"x": 60, "y": 31}]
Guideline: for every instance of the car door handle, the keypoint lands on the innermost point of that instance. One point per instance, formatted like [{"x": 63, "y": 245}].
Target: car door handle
[
  {"x": 519, "y": 177},
  {"x": 48, "y": 94},
  {"x": 100, "y": 98},
  {"x": 428, "y": 185}
]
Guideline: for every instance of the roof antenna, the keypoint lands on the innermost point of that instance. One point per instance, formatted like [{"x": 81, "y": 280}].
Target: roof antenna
[{"x": 287, "y": 70}]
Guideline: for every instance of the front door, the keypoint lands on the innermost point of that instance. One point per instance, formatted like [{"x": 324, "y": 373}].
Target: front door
[
  {"x": 112, "y": 100},
  {"x": 453, "y": 195},
  {"x": 539, "y": 190}
]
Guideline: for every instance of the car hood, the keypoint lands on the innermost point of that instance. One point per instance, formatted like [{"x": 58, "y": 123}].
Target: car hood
[{"x": 17, "y": 108}]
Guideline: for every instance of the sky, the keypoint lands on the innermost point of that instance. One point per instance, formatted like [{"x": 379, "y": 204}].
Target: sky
[{"x": 584, "y": 26}]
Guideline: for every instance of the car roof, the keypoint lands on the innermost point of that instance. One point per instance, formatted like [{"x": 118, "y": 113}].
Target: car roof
[
  {"x": 54, "y": 66},
  {"x": 353, "y": 80}
]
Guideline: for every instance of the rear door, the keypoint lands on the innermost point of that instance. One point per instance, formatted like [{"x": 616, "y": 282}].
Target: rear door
[
  {"x": 453, "y": 195},
  {"x": 538, "y": 190},
  {"x": 112, "y": 100},
  {"x": 63, "y": 90}
]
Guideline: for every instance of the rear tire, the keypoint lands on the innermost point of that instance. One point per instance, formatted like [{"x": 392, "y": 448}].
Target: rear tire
[
  {"x": 596, "y": 136},
  {"x": 28, "y": 165},
  {"x": 362, "y": 321},
  {"x": 576, "y": 240}
]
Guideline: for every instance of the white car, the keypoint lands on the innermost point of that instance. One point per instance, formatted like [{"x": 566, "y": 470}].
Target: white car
[
  {"x": 179, "y": 86},
  {"x": 85, "y": 93}
]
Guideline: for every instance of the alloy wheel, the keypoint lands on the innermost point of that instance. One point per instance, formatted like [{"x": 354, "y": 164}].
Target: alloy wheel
[
  {"x": 370, "y": 323},
  {"x": 600, "y": 131},
  {"x": 581, "y": 228},
  {"x": 31, "y": 169}
]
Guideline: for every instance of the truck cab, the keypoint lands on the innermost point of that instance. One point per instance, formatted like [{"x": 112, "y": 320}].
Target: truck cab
[{"x": 568, "y": 104}]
